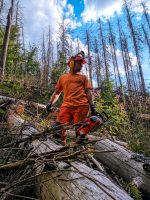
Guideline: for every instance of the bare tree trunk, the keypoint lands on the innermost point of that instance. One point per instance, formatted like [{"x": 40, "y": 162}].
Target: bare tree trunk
[
  {"x": 6, "y": 41},
  {"x": 49, "y": 54},
  {"x": 104, "y": 51},
  {"x": 98, "y": 64},
  {"x": 89, "y": 56},
  {"x": 112, "y": 40},
  {"x": 17, "y": 42},
  {"x": 116, "y": 83},
  {"x": 146, "y": 38},
  {"x": 132, "y": 74},
  {"x": 145, "y": 14},
  {"x": 123, "y": 56},
  {"x": 135, "y": 43},
  {"x": 23, "y": 42},
  {"x": 1, "y": 6},
  {"x": 44, "y": 64},
  {"x": 129, "y": 64}
]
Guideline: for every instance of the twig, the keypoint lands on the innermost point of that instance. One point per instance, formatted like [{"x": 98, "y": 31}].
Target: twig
[
  {"x": 98, "y": 165},
  {"x": 20, "y": 196}
]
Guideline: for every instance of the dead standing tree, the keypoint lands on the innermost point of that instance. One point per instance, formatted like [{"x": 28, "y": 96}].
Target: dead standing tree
[
  {"x": 114, "y": 57},
  {"x": 135, "y": 45},
  {"x": 98, "y": 63},
  {"x": 145, "y": 13},
  {"x": 6, "y": 41},
  {"x": 146, "y": 38},
  {"x": 44, "y": 65},
  {"x": 126, "y": 59},
  {"x": 89, "y": 55},
  {"x": 1, "y": 6},
  {"x": 104, "y": 50},
  {"x": 63, "y": 45},
  {"x": 50, "y": 59}
]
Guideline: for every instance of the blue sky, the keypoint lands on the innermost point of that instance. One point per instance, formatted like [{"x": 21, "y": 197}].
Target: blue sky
[{"x": 80, "y": 14}]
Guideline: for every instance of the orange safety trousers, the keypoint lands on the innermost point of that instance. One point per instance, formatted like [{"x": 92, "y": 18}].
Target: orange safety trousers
[{"x": 75, "y": 114}]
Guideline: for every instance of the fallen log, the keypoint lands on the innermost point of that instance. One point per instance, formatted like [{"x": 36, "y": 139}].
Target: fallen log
[
  {"x": 122, "y": 163},
  {"x": 4, "y": 99},
  {"x": 76, "y": 182}
]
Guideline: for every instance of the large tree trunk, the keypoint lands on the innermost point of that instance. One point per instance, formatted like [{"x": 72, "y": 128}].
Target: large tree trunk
[
  {"x": 71, "y": 180},
  {"x": 6, "y": 41},
  {"x": 79, "y": 182},
  {"x": 122, "y": 163}
]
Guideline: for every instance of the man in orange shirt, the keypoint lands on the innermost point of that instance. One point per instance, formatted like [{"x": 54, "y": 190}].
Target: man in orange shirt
[{"x": 77, "y": 95}]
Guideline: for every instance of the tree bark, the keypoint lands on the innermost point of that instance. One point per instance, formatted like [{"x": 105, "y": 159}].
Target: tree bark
[
  {"x": 71, "y": 180},
  {"x": 89, "y": 56},
  {"x": 121, "y": 163},
  {"x": 146, "y": 38},
  {"x": 6, "y": 41},
  {"x": 104, "y": 51}
]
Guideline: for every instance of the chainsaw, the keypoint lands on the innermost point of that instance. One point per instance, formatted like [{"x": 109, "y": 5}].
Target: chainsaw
[{"x": 91, "y": 124}]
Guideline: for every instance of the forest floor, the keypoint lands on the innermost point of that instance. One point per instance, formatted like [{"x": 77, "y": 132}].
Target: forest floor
[{"x": 138, "y": 138}]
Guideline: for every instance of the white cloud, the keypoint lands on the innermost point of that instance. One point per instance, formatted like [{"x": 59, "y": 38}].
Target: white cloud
[
  {"x": 136, "y": 6},
  {"x": 96, "y": 8},
  {"x": 106, "y": 8},
  {"x": 70, "y": 11},
  {"x": 38, "y": 15},
  {"x": 70, "y": 19},
  {"x": 120, "y": 62},
  {"x": 73, "y": 24}
]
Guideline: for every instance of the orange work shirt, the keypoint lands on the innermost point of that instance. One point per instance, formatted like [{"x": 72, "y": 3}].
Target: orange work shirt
[{"x": 73, "y": 86}]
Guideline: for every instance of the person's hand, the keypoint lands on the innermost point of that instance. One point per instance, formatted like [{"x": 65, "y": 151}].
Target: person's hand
[
  {"x": 48, "y": 107},
  {"x": 93, "y": 110}
]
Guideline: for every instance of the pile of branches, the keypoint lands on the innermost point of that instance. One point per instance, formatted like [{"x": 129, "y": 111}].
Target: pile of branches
[{"x": 21, "y": 163}]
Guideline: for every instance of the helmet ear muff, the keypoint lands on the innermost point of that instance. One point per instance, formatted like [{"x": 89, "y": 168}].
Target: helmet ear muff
[{"x": 71, "y": 65}]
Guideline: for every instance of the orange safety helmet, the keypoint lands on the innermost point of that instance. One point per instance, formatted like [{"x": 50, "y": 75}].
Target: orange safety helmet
[{"x": 79, "y": 56}]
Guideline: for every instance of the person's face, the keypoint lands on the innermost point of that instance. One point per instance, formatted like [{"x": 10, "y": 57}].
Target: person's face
[{"x": 77, "y": 66}]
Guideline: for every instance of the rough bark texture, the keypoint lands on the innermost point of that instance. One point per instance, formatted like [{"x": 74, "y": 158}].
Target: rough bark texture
[
  {"x": 71, "y": 181},
  {"x": 121, "y": 163},
  {"x": 79, "y": 182}
]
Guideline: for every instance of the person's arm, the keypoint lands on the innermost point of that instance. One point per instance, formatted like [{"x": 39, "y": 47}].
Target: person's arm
[
  {"x": 54, "y": 97},
  {"x": 90, "y": 99},
  {"x": 89, "y": 96},
  {"x": 88, "y": 91}
]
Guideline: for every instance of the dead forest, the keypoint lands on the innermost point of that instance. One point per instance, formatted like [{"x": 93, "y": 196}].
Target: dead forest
[{"x": 114, "y": 163}]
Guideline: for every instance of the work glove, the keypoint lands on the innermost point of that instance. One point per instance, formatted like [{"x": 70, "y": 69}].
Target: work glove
[
  {"x": 93, "y": 110},
  {"x": 48, "y": 107}
]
